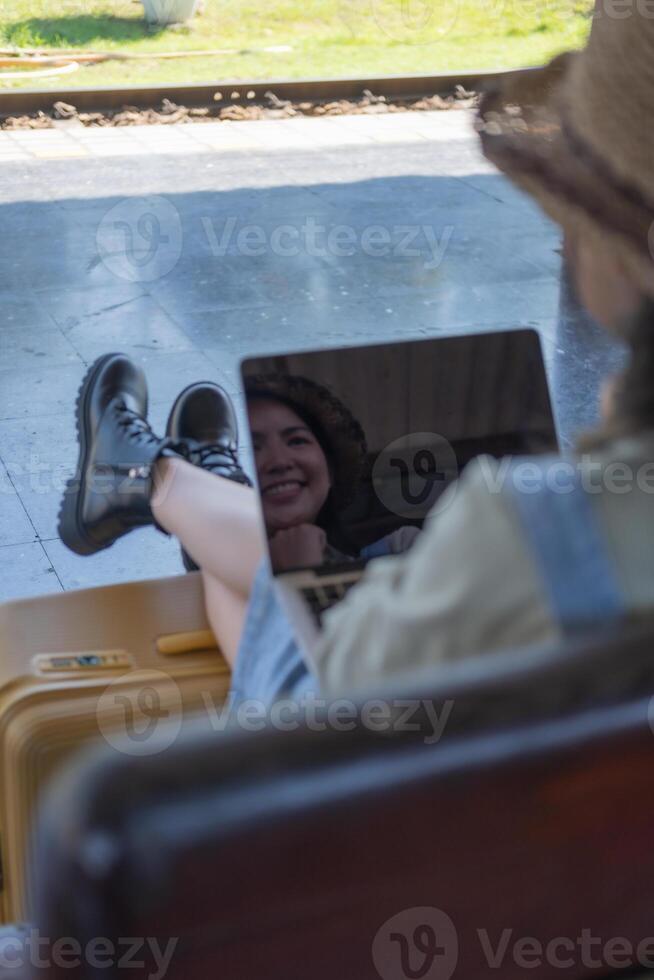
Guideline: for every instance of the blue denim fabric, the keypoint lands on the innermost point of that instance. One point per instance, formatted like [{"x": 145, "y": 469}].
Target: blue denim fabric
[
  {"x": 379, "y": 549},
  {"x": 570, "y": 550},
  {"x": 269, "y": 664}
]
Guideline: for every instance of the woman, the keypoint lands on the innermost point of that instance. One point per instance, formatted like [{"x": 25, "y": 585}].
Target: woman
[
  {"x": 309, "y": 453},
  {"x": 504, "y": 564}
]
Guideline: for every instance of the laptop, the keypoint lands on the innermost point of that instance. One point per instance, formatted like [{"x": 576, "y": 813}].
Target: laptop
[{"x": 354, "y": 447}]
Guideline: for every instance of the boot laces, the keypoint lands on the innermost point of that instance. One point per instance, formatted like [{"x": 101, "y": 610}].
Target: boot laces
[
  {"x": 136, "y": 428},
  {"x": 217, "y": 455}
]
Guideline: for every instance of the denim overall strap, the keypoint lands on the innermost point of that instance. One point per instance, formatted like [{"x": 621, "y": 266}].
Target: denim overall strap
[{"x": 569, "y": 547}]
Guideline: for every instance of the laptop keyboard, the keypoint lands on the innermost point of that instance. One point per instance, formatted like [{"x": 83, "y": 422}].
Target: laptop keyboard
[{"x": 323, "y": 597}]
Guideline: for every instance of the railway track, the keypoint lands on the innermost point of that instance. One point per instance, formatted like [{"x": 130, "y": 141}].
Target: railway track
[{"x": 392, "y": 88}]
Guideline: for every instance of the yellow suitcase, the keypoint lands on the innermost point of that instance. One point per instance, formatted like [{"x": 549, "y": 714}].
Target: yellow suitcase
[{"x": 81, "y": 666}]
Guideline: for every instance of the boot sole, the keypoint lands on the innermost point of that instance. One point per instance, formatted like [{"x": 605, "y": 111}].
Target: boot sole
[{"x": 70, "y": 525}]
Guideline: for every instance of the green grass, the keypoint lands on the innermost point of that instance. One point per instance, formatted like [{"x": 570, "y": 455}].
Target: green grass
[{"x": 327, "y": 37}]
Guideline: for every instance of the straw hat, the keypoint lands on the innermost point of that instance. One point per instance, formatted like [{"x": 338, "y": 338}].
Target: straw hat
[
  {"x": 336, "y": 429},
  {"x": 578, "y": 135}
]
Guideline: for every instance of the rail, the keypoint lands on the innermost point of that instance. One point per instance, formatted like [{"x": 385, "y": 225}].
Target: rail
[{"x": 240, "y": 92}]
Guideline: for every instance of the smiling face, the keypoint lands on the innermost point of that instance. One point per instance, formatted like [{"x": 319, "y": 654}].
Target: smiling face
[{"x": 292, "y": 468}]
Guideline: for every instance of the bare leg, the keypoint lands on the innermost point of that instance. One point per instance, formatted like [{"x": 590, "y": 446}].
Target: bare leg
[
  {"x": 218, "y": 524},
  {"x": 216, "y": 520},
  {"x": 226, "y": 612}
]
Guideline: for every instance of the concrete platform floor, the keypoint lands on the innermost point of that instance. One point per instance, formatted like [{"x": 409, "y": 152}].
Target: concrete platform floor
[{"x": 192, "y": 247}]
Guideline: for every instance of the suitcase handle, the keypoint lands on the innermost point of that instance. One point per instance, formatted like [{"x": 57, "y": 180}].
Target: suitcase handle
[{"x": 175, "y": 644}]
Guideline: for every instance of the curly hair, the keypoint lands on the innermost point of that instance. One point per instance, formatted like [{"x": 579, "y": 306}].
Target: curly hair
[{"x": 340, "y": 435}]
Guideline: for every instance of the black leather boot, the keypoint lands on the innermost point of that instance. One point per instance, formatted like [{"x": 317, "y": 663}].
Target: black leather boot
[
  {"x": 110, "y": 493},
  {"x": 203, "y": 418}
]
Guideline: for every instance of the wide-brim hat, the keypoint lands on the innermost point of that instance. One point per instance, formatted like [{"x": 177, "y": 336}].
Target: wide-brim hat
[
  {"x": 332, "y": 422},
  {"x": 578, "y": 135}
]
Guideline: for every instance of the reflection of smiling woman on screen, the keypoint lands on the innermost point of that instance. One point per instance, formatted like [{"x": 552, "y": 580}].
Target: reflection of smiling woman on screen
[{"x": 309, "y": 453}]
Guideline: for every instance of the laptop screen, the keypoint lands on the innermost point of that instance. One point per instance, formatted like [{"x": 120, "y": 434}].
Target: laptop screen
[{"x": 353, "y": 447}]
